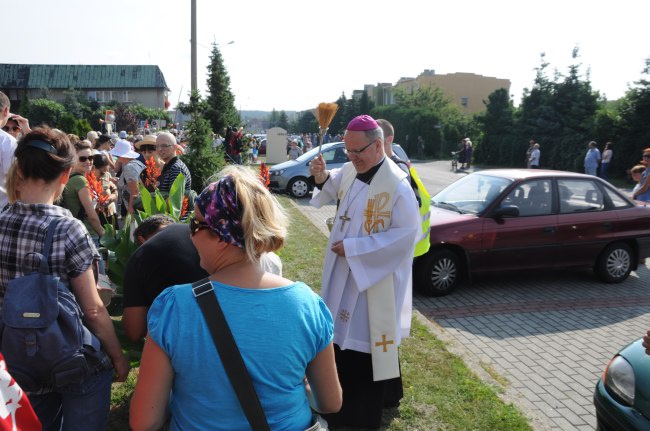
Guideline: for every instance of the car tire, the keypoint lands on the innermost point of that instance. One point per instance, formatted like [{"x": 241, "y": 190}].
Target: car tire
[
  {"x": 298, "y": 187},
  {"x": 438, "y": 273},
  {"x": 615, "y": 263}
]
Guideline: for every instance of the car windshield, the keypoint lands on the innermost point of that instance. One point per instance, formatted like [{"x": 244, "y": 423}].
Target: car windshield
[{"x": 471, "y": 194}]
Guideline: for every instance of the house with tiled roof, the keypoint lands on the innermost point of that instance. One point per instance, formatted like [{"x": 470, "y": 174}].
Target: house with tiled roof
[{"x": 124, "y": 84}]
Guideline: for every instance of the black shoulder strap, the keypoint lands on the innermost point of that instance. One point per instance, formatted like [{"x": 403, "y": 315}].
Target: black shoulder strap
[
  {"x": 229, "y": 354},
  {"x": 47, "y": 245}
]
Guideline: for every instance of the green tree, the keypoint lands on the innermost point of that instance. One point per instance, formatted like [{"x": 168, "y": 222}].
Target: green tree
[
  {"x": 497, "y": 124},
  {"x": 283, "y": 121},
  {"x": 221, "y": 111},
  {"x": 201, "y": 159},
  {"x": 44, "y": 111},
  {"x": 634, "y": 111}
]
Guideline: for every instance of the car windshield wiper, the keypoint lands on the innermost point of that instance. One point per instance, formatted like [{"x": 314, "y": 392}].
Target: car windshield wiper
[{"x": 448, "y": 206}]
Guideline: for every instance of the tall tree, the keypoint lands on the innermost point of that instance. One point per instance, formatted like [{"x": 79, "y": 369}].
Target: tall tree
[
  {"x": 283, "y": 120},
  {"x": 497, "y": 124},
  {"x": 201, "y": 159},
  {"x": 221, "y": 110}
]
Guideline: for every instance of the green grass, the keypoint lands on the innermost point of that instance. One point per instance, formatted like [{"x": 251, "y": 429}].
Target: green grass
[{"x": 440, "y": 392}]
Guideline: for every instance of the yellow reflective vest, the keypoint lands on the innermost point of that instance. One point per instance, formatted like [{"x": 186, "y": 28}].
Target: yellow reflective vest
[{"x": 423, "y": 243}]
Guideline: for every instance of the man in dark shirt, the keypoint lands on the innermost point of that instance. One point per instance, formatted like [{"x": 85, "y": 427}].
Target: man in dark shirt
[
  {"x": 167, "y": 259},
  {"x": 166, "y": 147}
]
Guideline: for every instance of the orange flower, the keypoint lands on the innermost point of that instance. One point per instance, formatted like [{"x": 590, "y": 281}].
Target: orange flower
[
  {"x": 184, "y": 207},
  {"x": 96, "y": 190},
  {"x": 264, "y": 175},
  {"x": 153, "y": 172}
]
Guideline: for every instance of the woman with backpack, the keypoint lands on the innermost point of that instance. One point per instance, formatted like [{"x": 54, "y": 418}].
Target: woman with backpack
[{"x": 44, "y": 161}]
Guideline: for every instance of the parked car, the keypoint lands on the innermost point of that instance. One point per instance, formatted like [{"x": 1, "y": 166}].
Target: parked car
[
  {"x": 292, "y": 176},
  {"x": 509, "y": 219},
  {"x": 622, "y": 394}
]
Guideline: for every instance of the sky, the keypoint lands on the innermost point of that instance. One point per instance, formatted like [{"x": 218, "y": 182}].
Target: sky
[{"x": 293, "y": 54}]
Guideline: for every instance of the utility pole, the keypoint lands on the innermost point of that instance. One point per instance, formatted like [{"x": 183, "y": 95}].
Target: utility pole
[{"x": 193, "y": 43}]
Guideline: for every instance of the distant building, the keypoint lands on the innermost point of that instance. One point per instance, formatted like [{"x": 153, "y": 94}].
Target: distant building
[
  {"x": 104, "y": 83},
  {"x": 465, "y": 90}
]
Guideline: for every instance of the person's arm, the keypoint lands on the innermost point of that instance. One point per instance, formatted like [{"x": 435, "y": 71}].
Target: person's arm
[
  {"x": 96, "y": 318},
  {"x": 644, "y": 187},
  {"x": 87, "y": 204},
  {"x": 134, "y": 322},
  {"x": 324, "y": 382},
  {"x": 133, "y": 192},
  {"x": 148, "y": 409}
]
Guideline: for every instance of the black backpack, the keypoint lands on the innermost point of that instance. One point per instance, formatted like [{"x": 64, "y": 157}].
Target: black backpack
[{"x": 44, "y": 342}]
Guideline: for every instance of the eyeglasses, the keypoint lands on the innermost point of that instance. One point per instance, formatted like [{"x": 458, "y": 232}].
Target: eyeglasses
[
  {"x": 357, "y": 152},
  {"x": 13, "y": 129},
  {"x": 159, "y": 146},
  {"x": 197, "y": 225},
  {"x": 84, "y": 159},
  {"x": 645, "y": 156},
  {"x": 146, "y": 148}
]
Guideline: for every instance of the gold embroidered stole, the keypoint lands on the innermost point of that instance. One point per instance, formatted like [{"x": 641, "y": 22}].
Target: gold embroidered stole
[{"x": 381, "y": 296}]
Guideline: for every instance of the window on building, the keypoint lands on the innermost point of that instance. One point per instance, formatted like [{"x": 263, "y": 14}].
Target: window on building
[
  {"x": 463, "y": 101},
  {"x": 92, "y": 95},
  {"x": 125, "y": 96}
]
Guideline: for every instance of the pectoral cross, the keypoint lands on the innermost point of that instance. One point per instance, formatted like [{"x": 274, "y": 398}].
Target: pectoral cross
[{"x": 344, "y": 218}]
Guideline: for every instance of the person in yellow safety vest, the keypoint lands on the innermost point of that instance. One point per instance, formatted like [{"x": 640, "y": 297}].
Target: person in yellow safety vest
[{"x": 421, "y": 194}]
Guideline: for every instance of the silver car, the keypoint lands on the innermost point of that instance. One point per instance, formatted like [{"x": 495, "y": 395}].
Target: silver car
[{"x": 292, "y": 176}]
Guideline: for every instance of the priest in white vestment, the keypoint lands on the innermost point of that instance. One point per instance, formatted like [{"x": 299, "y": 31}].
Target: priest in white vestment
[{"x": 367, "y": 269}]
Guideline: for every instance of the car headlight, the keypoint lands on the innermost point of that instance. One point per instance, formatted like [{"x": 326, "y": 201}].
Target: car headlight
[
  {"x": 277, "y": 173},
  {"x": 619, "y": 380}
]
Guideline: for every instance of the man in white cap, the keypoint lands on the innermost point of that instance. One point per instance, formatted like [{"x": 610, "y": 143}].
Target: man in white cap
[
  {"x": 367, "y": 270},
  {"x": 127, "y": 184}
]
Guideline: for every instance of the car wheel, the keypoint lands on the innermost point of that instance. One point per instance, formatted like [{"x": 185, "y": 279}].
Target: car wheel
[
  {"x": 438, "y": 273},
  {"x": 298, "y": 187},
  {"x": 615, "y": 263}
]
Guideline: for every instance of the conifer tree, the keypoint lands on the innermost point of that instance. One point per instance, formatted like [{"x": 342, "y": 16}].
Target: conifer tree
[{"x": 221, "y": 110}]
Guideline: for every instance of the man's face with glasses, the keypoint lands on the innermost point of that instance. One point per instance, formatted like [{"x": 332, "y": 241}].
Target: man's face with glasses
[{"x": 363, "y": 154}]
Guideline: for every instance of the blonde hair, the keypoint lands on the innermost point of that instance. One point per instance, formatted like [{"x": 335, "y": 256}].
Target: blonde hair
[{"x": 264, "y": 220}]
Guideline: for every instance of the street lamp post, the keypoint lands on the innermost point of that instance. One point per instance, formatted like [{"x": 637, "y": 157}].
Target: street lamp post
[{"x": 193, "y": 43}]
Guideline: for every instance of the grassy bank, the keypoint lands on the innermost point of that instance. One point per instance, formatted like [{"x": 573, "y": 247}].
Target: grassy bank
[{"x": 440, "y": 392}]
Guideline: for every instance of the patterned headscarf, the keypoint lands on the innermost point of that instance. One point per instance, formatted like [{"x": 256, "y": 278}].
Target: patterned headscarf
[{"x": 222, "y": 210}]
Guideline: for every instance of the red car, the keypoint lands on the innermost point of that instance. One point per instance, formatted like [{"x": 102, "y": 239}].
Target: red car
[{"x": 509, "y": 219}]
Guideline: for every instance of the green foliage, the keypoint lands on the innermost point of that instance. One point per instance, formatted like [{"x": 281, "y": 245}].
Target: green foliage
[
  {"x": 220, "y": 102},
  {"x": 201, "y": 159},
  {"x": 44, "y": 111},
  {"x": 283, "y": 121},
  {"x": 119, "y": 242},
  {"x": 69, "y": 124},
  {"x": 429, "y": 114}
]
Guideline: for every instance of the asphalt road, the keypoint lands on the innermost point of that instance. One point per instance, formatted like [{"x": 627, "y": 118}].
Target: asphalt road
[{"x": 548, "y": 335}]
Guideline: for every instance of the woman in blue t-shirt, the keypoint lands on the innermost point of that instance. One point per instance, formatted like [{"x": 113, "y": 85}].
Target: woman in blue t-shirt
[{"x": 282, "y": 328}]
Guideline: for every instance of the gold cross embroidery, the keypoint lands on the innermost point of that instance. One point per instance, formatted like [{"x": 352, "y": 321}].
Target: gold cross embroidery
[
  {"x": 384, "y": 342},
  {"x": 375, "y": 213},
  {"x": 344, "y": 315}
]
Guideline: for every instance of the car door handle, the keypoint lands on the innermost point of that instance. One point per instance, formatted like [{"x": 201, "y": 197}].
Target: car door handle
[
  {"x": 549, "y": 230},
  {"x": 607, "y": 224}
]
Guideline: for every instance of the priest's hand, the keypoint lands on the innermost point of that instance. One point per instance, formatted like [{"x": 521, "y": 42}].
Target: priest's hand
[
  {"x": 338, "y": 248},
  {"x": 318, "y": 168}
]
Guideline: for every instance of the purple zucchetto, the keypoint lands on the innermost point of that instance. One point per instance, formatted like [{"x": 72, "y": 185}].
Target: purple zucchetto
[{"x": 362, "y": 123}]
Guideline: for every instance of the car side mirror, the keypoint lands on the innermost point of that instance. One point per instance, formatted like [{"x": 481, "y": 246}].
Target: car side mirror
[{"x": 507, "y": 211}]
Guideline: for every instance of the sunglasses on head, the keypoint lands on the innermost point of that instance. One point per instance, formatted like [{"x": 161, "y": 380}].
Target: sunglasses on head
[
  {"x": 84, "y": 159},
  {"x": 197, "y": 225}
]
